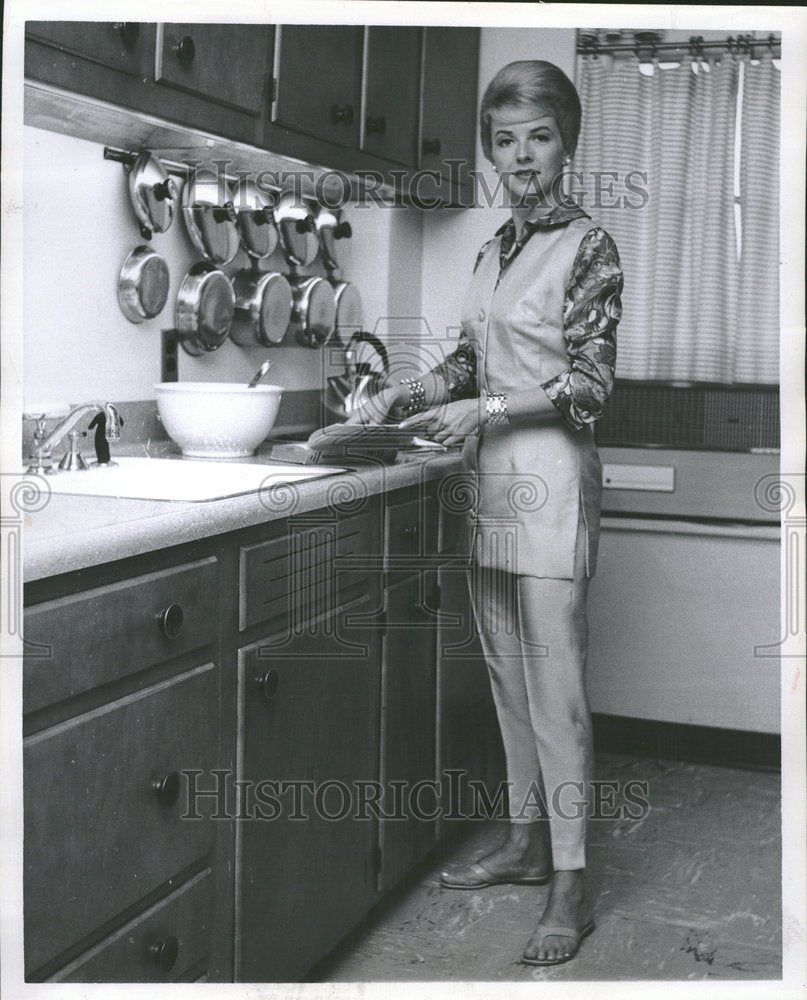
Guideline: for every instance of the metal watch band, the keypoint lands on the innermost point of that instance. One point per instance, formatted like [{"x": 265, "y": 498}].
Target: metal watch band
[{"x": 496, "y": 409}]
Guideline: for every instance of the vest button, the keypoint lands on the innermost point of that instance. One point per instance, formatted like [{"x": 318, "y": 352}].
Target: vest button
[{"x": 481, "y": 315}]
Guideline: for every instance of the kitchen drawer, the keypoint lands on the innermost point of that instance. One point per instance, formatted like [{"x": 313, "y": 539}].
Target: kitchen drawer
[
  {"x": 158, "y": 946},
  {"x": 101, "y": 635},
  {"x": 98, "y": 834},
  {"x": 307, "y": 571}
]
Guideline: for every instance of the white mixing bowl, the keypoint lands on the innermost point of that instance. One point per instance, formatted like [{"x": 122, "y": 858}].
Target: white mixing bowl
[{"x": 217, "y": 419}]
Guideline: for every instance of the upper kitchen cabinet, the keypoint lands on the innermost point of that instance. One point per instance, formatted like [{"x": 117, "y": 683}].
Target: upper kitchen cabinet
[
  {"x": 319, "y": 81},
  {"x": 225, "y": 63},
  {"x": 392, "y": 95},
  {"x": 125, "y": 46},
  {"x": 449, "y": 111},
  {"x": 204, "y": 76}
]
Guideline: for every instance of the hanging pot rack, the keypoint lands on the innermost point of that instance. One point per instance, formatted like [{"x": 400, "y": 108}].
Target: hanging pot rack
[{"x": 650, "y": 43}]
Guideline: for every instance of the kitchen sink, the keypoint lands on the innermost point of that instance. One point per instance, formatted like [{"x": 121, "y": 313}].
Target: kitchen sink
[{"x": 182, "y": 479}]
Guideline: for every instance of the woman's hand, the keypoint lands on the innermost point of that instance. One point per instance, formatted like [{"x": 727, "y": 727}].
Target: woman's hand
[
  {"x": 379, "y": 407},
  {"x": 449, "y": 424}
]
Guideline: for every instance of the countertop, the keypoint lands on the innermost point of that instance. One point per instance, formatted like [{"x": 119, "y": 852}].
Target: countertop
[{"x": 75, "y": 532}]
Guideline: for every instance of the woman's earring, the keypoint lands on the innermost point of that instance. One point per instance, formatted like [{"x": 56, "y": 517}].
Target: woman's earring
[{"x": 495, "y": 169}]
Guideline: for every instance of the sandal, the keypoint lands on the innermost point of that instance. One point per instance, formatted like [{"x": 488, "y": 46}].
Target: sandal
[
  {"x": 570, "y": 932},
  {"x": 476, "y": 876}
]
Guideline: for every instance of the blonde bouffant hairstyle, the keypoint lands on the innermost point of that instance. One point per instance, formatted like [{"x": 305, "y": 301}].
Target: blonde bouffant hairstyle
[{"x": 533, "y": 83}]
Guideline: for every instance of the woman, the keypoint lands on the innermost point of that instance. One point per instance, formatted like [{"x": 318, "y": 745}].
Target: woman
[{"x": 532, "y": 372}]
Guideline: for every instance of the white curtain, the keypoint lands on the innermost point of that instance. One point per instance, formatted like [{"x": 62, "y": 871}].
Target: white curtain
[{"x": 683, "y": 280}]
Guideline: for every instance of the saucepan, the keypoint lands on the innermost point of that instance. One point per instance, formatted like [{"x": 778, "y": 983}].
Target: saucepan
[
  {"x": 313, "y": 313},
  {"x": 204, "y": 309},
  {"x": 263, "y": 304},
  {"x": 143, "y": 284}
]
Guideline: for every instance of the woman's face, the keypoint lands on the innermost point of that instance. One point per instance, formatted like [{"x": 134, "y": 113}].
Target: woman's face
[{"x": 527, "y": 151}]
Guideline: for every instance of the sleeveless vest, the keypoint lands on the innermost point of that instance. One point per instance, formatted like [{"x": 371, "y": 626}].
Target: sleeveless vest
[{"x": 535, "y": 480}]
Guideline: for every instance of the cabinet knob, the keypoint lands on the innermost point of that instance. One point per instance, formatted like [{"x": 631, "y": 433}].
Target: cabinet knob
[
  {"x": 185, "y": 51},
  {"x": 170, "y": 620},
  {"x": 165, "y": 953},
  {"x": 129, "y": 32},
  {"x": 167, "y": 788},
  {"x": 268, "y": 683},
  {"x": 430, "y": 147},
  {"x": 342, "y": 114},
  {"x": 376, "y": 125}
]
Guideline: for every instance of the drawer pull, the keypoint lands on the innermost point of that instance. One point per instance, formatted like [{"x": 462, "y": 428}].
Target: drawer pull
[
  {"x": 165, "y": 953},
  {"x": 185, "y": 51},
  {"x": 171, "y": 619},
  {"x": 268, "y": 683},
  {"x": 167, "y": 788}
]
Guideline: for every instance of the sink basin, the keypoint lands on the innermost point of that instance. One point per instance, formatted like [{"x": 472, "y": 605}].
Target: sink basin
[{"x": 181, "y": 479}]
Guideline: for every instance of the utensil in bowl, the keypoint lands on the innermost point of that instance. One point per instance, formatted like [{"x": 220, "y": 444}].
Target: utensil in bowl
[
  {"x": 313, "y": 315},
  {"x": 153, "y": 194},
  {"x": 217, "y": 419},
  {"x": 260, "y": 374},
  {"x": 204, "y": 309},
  {"x": 263, "y": 303},
  {"x": 143, "y": 284}
]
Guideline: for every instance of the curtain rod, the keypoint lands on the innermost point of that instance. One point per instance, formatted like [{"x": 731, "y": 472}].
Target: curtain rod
[{"x": 649, "y": 40}]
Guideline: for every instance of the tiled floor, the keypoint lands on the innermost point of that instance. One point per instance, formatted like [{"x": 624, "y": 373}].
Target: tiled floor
[{"x": 690, "y": 891}]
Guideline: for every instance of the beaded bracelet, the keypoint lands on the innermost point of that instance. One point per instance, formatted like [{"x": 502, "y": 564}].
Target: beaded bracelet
[
  {"x": 496, "y": 409},
  {"x": 417, "y": 395}
]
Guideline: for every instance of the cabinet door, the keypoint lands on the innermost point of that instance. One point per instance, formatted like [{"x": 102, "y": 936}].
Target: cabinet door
[
  {"x": 225, "y": 63},
  {"x": 308, "y": 713},
  {"x": 319, "y": 81},
  {"x": 392, "y": 94},
  {"x": 408, "y": 702},
  {"x": 126, "y": 46},
  {"x": 450, "y": 74}
]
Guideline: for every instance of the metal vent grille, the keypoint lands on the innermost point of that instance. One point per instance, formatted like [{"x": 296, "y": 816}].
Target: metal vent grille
[{"x": 717, "y": 419}]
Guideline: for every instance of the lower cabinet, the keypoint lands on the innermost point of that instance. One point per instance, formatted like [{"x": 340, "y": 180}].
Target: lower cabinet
[
  {"x": 307, "y": 747},
  {"x": 307, "y": 679}
]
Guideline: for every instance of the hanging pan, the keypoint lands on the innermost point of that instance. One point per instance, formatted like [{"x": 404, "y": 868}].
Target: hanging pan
[
  {"x": 314, "y": 310},
  {"x": 153, "y": 194},
  {"x": 143, "y": 284},
  {"x": 209, "y": 216},
  {"x": 263, "y": 303},
  {"x": 205, "y": 308}
]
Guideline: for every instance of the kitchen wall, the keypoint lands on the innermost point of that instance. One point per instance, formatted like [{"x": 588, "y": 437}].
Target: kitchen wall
[{"x": 411, "y": 267}]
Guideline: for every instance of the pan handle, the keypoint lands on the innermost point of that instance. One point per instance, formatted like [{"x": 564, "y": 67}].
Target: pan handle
[{"x": 364, "y": 336}]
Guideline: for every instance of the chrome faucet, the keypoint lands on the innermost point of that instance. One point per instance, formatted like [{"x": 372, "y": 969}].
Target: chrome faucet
[{"x": 40, "y": 459}]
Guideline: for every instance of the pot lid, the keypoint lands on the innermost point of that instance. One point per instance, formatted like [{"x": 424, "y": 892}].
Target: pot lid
[
  {"x": 331, "y": 229},
  {"x": 254, "y": 218},
  {"x": 209, "y": 216},
  {"x": 297, "y": 228},
  {"x": 153, "y": 193}
]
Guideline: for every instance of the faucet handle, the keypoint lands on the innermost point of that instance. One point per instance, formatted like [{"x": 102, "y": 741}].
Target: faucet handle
[{"x": 73, "y": 460}]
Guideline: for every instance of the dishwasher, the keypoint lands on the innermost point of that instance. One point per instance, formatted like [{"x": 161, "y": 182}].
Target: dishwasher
[{"x": 684, "y": 609}]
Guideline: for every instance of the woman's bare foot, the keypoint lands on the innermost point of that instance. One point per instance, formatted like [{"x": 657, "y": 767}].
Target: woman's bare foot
[
  {"x": 567, "y": 906},
  {"x": 526, "y": 854}
]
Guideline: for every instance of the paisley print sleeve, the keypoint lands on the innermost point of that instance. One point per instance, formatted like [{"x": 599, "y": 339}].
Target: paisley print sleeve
[
  {"x": 458, "y": 371},
  {"x": 591, "y": 311}
]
